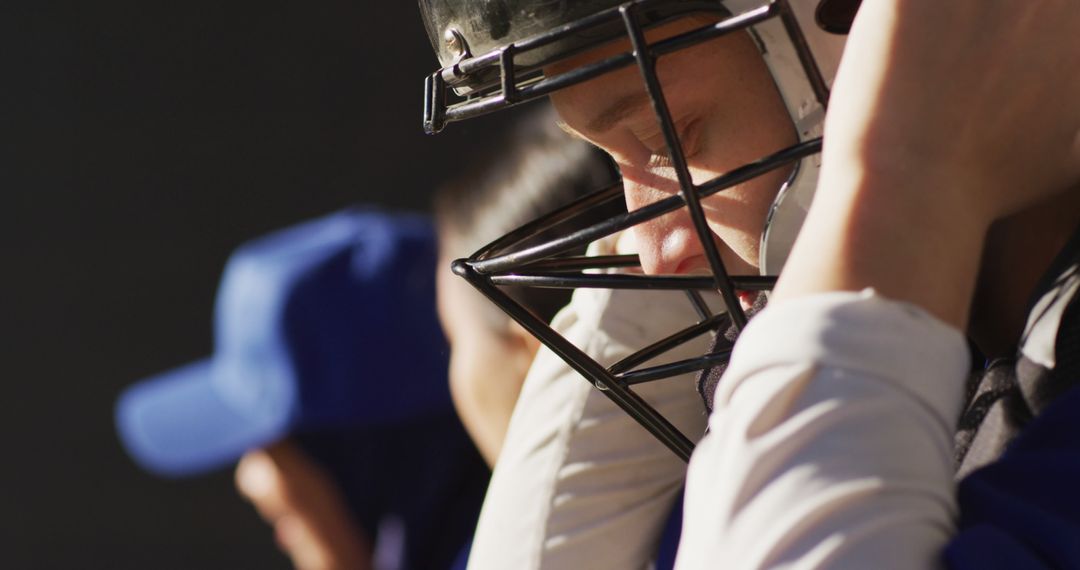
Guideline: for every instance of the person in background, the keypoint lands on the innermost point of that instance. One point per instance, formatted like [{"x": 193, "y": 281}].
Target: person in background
[
  {"x": 328, "y": 385},
  {"x": 326, "y": 332},
  {"x": 570, "y": 463},
  {"x": 300, "y": 492},
  {"x": 543, "y": 168},
  {"x": 559, "y": 423}
]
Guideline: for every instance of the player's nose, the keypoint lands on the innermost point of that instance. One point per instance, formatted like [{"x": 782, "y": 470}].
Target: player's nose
[{"x": 667, "y": 244}]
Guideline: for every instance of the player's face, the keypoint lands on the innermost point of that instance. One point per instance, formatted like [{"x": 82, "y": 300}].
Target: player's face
[
  {"x": 489, "y": 358},
  {"x": 727, "y": 112},
  {"x": 479, "y": 347}
]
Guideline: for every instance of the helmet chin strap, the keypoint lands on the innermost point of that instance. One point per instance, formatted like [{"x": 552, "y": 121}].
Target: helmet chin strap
[
  {"x": 806, "y": 109},
  {"x": 786, "y": 215}
]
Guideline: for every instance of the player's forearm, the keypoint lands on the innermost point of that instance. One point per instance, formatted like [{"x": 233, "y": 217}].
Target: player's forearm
[
  {"x": 944, "y": 118},
  {"x": 880, "y": 228}
]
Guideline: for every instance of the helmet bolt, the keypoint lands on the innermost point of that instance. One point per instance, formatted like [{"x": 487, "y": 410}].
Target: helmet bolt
[{"x": 455, "y": 44}]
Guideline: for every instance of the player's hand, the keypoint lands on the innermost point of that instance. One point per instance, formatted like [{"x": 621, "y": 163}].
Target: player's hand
[
  {"x": 966, "y": 104},
  {"x": 305, "y": 508}
]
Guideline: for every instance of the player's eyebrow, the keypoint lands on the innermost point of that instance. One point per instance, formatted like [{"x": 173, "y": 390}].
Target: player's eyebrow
[{"x": 622, "y": 108}]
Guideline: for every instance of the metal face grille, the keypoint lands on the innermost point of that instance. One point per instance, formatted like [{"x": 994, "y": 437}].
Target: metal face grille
[{"x": 521, "y": 258}]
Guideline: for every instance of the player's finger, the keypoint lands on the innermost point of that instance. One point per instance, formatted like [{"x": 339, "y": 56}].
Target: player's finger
[{"x": 260, "y": 480}]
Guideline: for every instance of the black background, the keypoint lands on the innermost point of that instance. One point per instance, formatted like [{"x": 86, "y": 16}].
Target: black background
[{"x": 140, "y": 143}]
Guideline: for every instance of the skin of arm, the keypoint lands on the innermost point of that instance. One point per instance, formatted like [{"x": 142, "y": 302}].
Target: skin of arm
[{"x": 946, "y": 118}]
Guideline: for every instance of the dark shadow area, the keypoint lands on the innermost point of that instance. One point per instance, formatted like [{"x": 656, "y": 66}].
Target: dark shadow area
[{"x": 142, "y": 142}]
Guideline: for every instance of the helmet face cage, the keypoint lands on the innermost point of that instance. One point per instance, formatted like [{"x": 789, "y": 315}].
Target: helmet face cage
[{"x": 494, "y": 81}]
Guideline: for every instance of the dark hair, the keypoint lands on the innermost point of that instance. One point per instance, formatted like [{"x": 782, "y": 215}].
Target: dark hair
[{"x": 537, "y": 169}]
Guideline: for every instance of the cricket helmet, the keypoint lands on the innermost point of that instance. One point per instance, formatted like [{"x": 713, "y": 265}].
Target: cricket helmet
[{"x": 493, "y": 55}]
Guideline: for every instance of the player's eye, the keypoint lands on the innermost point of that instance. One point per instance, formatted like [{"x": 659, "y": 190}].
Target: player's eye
[{"x": 689, "y": 137}]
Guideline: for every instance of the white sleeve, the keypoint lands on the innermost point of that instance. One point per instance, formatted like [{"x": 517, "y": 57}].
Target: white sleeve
[
  {"x": 830, "y": 443},
  {"x": 579, "y": 484}
]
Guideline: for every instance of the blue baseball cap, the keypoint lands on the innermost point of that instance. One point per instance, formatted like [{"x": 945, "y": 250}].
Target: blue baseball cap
[{"x": 327, "y": 324}]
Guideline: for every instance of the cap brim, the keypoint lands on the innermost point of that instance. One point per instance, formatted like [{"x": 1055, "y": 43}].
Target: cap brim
[{"x": 176, "y": 424}]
